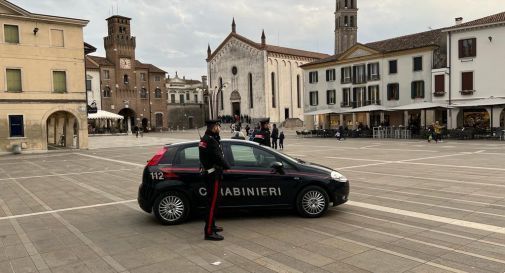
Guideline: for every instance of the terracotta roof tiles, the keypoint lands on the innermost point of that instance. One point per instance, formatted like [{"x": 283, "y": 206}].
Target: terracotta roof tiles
[{"x": 492, "y": 19}]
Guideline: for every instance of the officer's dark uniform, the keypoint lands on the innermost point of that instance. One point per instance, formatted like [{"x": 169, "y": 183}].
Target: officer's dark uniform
[
  {"x": 213, "y": 164},
  {"x": 262, "y": 136}
]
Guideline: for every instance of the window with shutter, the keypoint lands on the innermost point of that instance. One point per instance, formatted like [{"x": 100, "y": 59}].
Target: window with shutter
[
  {"x": 393, "y": 67},
  {"x": 418, "y": 63},
  {"x": 417, "y": 91},
  {"x": 14, "y": 83},
  {"x": 439, "y": 84},
  {"x": 467, "y": 82},
  {"x": 11, "y": 33},
  {"x": 330, "y": 97},
  {"x": 393, "y": 91},
  {"x": 59, "y": 81}
]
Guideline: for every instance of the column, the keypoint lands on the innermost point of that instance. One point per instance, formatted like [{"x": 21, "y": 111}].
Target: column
[
  {"x": 496, "y": 116},
  {"x": 452, "y": 118},
  {"x": 423, "y": 118},
  {"x": 354, "y": 121},
  {"x": 69, "y": 132},
  {"x": 383, "y": 119},
  {"x": 129, "y": 121},
  {"x": 406, "y": 118},
  {"x": 341, "y": 120},
  {"x": 368, "y": 119}
]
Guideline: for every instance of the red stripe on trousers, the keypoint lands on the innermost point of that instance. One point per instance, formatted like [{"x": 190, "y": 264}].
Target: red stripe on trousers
[{"x": 212, "y": 206}]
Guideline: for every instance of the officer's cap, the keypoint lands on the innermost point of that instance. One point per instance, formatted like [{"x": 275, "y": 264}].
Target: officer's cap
[{"x": 211, "y": 123}]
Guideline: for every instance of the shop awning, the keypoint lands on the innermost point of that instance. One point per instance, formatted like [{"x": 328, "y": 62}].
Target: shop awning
[
  {"x": 105, "y": 115},
  {"x": 368, "y": 108},
  {"x": 420, "y": 106},
  {"x": 481, "y": 102},
  {"x": 321, "y": 112}
]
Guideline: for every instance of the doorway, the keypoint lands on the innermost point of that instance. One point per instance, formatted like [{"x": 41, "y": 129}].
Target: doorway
[
  {"x": 190, "y": 123},
  {"x": 286, "y": 113},
  {"x": 235, "y": 106}
]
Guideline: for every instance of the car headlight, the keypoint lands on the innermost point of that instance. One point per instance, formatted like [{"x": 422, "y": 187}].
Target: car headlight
[{"x": 338, "y": 176}]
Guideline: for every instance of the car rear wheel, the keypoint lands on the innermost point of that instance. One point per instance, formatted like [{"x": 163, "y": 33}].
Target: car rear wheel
[
  {"x": 171, "y": 208},
  {"x": 312, "y": 202}
]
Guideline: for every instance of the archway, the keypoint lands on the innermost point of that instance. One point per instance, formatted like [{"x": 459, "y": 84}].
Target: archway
[
  {"x": 128, "y": 121},
  {"x": 62, "y": 131},
  {"x": 235, "y": 103}
]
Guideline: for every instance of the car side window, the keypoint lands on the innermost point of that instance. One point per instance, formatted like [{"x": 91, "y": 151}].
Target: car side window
[
  {"x": 247, "y": 156},
  {"x": 188, "y": 156}
]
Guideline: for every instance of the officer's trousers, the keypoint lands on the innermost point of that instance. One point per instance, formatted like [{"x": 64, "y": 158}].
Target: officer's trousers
[{"x": 213, "y": 184}]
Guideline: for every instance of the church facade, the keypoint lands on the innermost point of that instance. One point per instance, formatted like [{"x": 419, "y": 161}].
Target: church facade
[{"x": 257, "y": 79}]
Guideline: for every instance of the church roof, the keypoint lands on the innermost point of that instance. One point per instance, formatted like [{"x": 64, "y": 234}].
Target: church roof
[
  {"x": 95, "y": 62},
  {"x": 270, "y": 48},
  {"x": 488, "y": 20}
]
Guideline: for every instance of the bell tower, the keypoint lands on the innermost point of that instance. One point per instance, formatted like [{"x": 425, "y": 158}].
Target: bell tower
[
  {"x": 119, "y": 44},
  {"x": 346, "y": 25}
]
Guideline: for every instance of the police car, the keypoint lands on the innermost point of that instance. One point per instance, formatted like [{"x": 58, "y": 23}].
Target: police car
[{"x": 260, "y": 177}]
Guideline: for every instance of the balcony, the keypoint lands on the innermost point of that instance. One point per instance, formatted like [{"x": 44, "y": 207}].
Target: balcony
[
  {"x": 347, "y": 104},
  {"x": 372, "y": 102}
]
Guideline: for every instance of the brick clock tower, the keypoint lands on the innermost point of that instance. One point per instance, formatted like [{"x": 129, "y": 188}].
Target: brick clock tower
[{"x": 346, "y": 25}]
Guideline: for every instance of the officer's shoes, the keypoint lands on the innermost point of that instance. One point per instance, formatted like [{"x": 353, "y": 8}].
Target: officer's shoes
[
  {"x": 214, "y": 237},
  {"x": 217, "y": 229}
]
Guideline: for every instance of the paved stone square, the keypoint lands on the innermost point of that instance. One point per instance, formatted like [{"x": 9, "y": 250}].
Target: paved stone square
[{"x": 414, "y": 207}]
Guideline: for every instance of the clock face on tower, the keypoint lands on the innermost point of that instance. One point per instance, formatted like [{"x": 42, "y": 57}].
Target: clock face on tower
[{"x": 125, "y": 63}]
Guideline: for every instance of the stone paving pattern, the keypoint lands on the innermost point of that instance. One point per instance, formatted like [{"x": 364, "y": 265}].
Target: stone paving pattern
[{"x": 65, "y": 212}]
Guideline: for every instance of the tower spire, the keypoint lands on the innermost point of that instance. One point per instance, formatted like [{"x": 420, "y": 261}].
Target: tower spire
[
  {"x": 263, "y": 39},
  {"x": 233, "y": 26},
  {"x": 209, "y": 52}
]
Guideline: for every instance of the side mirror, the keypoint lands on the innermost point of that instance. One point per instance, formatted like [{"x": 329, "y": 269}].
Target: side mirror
[{"x": 278, "y": 167}]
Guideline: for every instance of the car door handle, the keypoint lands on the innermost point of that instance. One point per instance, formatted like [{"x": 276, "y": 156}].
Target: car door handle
[{"x": 296, "y": 178}]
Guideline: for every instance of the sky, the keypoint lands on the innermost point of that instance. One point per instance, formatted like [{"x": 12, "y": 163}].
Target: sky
[{"x": 174, "y": 34}]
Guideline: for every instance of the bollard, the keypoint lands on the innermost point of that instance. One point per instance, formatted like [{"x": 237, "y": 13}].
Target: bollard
[{"x": 16, "y": 149}]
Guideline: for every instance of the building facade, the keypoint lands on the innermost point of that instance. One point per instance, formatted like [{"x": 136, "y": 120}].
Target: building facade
[
  {"x": 128, "y": 87},
  {"x": 42, "y": 82},
  {"x": 257, "y": 79},
  {"x": 187, "y": 103},
  {"x": 387, "y": 73},
  {"x": 473, "y": 73}
]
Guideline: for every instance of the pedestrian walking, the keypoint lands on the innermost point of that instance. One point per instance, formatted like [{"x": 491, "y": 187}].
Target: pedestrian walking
[
  {"x": 213, "y": 164},
  {"x": 438, "y": 132},
  {"x": 262, "y": 135},
  {"x": 281, "y": 140},
  {"x": 275, "y": 136},
  {"x": 136, "y": 130}
]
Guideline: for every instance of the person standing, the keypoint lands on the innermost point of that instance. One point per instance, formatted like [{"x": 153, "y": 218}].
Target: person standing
[
  {"x": 262, "y": 135},
  {"x": 438, "y": 131},
  {"x": 281, "y": 140},
  {"x": 136, "y": 130},
  {"x": 213, "y": 164},
  {"x": 275, "y": 136},
  {"x": 247, "y": 128}
]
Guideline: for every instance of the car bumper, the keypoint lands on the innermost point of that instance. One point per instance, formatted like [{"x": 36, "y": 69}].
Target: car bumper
[
  {"x": 340, "y": 194},
  {"x": 144, "y": 203}
]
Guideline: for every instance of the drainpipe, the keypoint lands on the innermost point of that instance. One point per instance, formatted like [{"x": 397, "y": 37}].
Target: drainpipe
[{"x": 450, "y": 67}]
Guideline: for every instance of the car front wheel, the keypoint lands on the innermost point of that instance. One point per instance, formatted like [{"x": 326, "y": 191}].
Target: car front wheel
[
  {"x": 312, "y": 202},
  {"x": 171, "y": 208}
]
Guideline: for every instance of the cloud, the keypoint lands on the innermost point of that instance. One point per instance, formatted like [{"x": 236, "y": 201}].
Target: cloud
[{"x": 173, "y": 34}]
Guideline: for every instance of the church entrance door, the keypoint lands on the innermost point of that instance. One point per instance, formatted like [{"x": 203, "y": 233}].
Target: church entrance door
[{"x": 235, "y": 106}]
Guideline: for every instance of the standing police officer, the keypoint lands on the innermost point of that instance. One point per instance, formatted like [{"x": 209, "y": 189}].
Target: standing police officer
[
  {"x": 213, "y": 164},
  {"x": 262, "y": 136}
]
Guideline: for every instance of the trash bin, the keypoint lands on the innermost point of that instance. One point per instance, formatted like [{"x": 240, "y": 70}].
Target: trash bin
[{"x": 16, "y": 149}]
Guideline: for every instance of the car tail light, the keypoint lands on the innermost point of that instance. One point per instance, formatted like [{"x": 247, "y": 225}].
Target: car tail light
[{"x": 157, "y": 157}]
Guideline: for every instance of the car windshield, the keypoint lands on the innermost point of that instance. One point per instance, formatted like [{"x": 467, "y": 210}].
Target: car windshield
[{"x": 285, "y": 156}]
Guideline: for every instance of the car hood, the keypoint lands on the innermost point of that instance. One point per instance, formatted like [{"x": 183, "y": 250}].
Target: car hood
[{"x": 313, "y": 167}]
